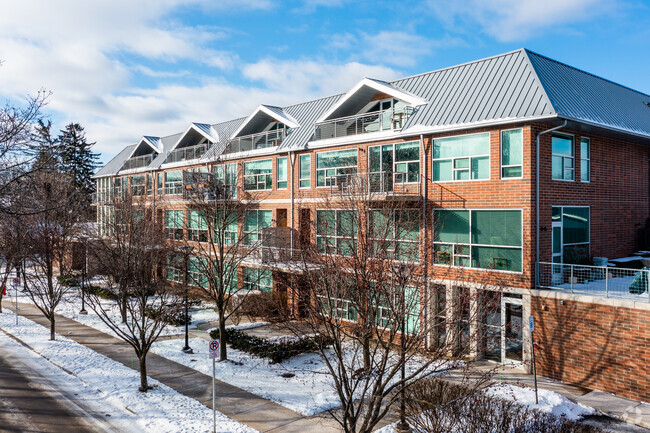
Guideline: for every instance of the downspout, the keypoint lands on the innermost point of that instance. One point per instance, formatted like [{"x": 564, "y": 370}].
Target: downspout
[
  {"x": 425, "y": 295},
  {"x": 292, "y": 157},
  {"x": 537, "y": 198}
]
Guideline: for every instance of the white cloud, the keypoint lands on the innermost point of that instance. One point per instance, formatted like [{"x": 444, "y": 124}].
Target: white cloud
[{"x": 515, "y": 20}]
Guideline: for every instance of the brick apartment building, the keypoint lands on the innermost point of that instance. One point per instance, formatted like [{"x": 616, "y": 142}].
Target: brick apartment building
[{"x": 533, "y": 171}]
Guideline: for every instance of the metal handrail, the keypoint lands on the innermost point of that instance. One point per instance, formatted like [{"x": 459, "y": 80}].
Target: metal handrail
[
  {"x": 361, "y": 123},
  {"x": 187, "y": 153},
  {"x": 254, "y": 141},
  {"x": 137, "y": 162},
  {"x": 380, "y": 182}
]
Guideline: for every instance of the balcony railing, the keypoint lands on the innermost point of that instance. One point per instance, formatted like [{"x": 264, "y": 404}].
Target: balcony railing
[
  {"x": 137, "y": 162},
  {"x": 376, "y": 183},
  {"x": 203, "y": 187},
  {"x": 362, "y": 123},
  {"x": 256, "y": 141},
  {"x": 604, "y": 281},
  {"x": 187, "y": 153}
]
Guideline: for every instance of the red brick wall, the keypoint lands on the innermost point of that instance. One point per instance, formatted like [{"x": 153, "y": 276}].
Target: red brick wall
[{"x": 596, "y": 346}]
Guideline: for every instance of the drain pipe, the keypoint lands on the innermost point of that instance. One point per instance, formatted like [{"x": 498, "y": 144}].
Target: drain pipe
[
  {"x": 537, "y": 198},
  {"x": 292, "y": 159},
  {"x": 425, "y": 295}
]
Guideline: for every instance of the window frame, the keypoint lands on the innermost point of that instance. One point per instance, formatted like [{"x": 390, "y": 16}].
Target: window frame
[
  {"x": 587, "y": 160},
  {"x": 223, "y": 175},
  {"x": 396, "y": 162},
  {"x": 306, "y": 180},
  {"x": 393, "y": 241},
  {"x": 336, "y": 237},
  {"x": 573, "y": 156},
  {"x": 470, "y": 157},
  {"x": 255, "y": 286},
  {"x": 258, "y": 233},
  {"x": 268, "y": 185},
  {"x": 278, "y": 180},
  {"x": 573, "y": 244},
  {"x": 501, "y": 165},
  {"x": 327, "y": 183},
  {"x": 174, "y": 187},
  {"x": 470, "y": 244}
]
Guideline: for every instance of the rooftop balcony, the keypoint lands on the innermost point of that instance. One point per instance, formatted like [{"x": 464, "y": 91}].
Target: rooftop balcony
[
  {"x": 602, "y": 281},
  {"x": 137, "y": 162},
  {"x": 256, "y": 141},
  {"x": 379, "y": 185},
  {"x": 187, "y": 153},
  {"x": 366, "y": 123}
]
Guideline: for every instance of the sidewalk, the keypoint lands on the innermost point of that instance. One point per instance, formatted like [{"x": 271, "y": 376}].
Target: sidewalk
[{"x": 239, "y": 405}]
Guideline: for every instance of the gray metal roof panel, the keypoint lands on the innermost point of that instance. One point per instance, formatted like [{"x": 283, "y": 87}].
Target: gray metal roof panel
[
  {"x": 583, "y": 96},
  {"x": 113, "y": 166}
]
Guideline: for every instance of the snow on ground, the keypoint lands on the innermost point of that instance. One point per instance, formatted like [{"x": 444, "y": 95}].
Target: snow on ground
[
  {"x": 310, "y": 391},
  {"x": 160, "y": 410},
  {"x": 549, "y": 401}
]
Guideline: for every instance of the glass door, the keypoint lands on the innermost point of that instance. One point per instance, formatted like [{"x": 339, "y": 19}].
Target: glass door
[
  {"x": 512, "y": 316},
  {"x": 557, "y": 251},
  {"x": 380, "y": 162}
]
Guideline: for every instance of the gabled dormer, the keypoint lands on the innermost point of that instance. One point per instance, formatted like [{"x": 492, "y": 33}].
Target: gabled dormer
[
  {"x": 370, "y": 106},
  {"x": 266, "y": 127},
  {"x": 143, "y": 153},
  {"x": 193, "y": 143}
]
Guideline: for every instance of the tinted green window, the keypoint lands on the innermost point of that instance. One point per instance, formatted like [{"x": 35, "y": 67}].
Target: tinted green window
[
  {"x": 282, "y": 172},
  {"x": 196, "y": 220},
  {"x": 174, "y": 218},
  {"x": 258, "y": 175},
  {"x": 575, "y": 225},
  {"x": 452, "y": 226},
  {"x": 305, "y": 171},
  {"x": 496, "y": 227},
  {"x": 511, "y": 153},
  {"x": 462, "y": 158},
  {"x": 333, "y": 164},
  {"x": 505, "y": 259},
  {"x": 562, "y": 163},
  {"x": 585, "y": 160}
]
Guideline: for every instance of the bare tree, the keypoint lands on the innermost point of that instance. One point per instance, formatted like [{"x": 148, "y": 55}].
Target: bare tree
[
  {"x": 131, "y": 250},
  {"x": 11, "y": 248},
  {"x": 49, "y": 219},
  {"x": 225, "y": 231},
  {"x": 366, "y": 285}
]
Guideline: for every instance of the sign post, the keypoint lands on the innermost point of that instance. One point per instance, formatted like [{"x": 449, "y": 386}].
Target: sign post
[
  {"x": 214, "y": 352},
  {"x": 16, "y": 282},
  {"x": 531, "y": 323}
]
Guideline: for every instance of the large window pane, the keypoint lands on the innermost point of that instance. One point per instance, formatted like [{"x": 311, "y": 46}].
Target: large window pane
[
  {"x": 496, "y": 227},
  {"x": 452, "y": 226},
  {"x": 305, "y": 171},
  {"x": 462, "y": 158},
  {"x": 466, "y": 145},
  {"x": 507, "y": 259},
  {"x": 575, "y": 224},
  {"x": 511, "y": 153}
]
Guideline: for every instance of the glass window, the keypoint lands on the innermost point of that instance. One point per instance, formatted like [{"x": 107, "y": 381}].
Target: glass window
[
  {"x": 174, "y": 224},
  {"x": 305, "y": 171},
  {"x": 258, "y": 175},
  {"x": 174, "y": 182},
  {"x": 225, "y": 223},
  {"x": 282, "y": 172},
  {"x": 512, "y": 143},
  {"x": 585, "y": 160},
  {"x": 489, "y": 239},
  {"x": 396, "y": 233},
  {"x": 335, "y": 167},
  {"x": 196, "y": 271},
  {"x": 562, "y": 157},
  {"x": 226, "y": 175},
  {"x": 465, "y": 157},
  {"x": 254, "y": 222},
  {"x": 573, "y": 241},
  {"x": 197, "y": 226},
  {"x": 258, "y": 279},
  {"x": 336, "y": 231},
  {"x": 393, "y": 164},
  {"x": 138, "y": 185},
  {"x": 174, "y": 268},
  {"x": 149, "y": 184}
]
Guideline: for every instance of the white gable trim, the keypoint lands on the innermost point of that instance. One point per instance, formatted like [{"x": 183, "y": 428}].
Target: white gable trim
[
  {"x": 284, "y": 118},
  {"x": 379, "y": 86},
  {"x": 213, "y": 137},
  {"x": 148, "y": 143}
]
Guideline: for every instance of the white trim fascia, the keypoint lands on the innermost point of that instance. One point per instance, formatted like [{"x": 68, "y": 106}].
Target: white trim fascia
[
  {"x": 213, "y": 138},
  {"x": 380, "y": 87},
  {"x": 248, "y": 154},
  {"x": 285, "y": 118}
]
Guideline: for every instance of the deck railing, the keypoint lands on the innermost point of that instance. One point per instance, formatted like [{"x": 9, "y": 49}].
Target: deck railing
[
  {"x": 137, "y": 162},
  {"x": 362, "y": 123},
  {"x": 187, "y": 153},
  {"x": 375, "y": 183},
  {"x": 256, "y": 141},
  {"x": 605, "y": 281}
]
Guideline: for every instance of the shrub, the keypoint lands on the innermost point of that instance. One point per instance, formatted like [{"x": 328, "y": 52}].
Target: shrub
[
  {"x": 438, "y": 406},
  {"x": 173, "y": 315},
  {"x": 68, "y": 280},
  {"x": 265, "y": 305},
  {"x": 102, "y": 292},
  {"x": 276, "y": 352}
]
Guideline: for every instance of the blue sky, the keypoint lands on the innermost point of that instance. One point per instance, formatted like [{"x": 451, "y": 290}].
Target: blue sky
[{"x": 125, "y": 68}]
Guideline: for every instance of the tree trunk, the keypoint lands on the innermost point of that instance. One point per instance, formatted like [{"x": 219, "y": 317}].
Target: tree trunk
[
  {"x": 223, "y": 354},
  {"x": 123, "y": 308},
  {"x": 52, "y": 319},
  {"x": 366, "y": 353},
  {"x": 144, "y": 386}
]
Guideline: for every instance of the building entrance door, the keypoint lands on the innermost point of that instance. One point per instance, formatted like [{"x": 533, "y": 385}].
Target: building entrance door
[{"x": 512, "y": 330}]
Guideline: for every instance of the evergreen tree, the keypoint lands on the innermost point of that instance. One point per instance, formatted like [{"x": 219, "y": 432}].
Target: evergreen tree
[{"x": 77, "y": 159}]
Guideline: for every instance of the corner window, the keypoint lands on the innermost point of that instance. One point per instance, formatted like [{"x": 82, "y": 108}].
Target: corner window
[
  {"x": 487, "y": 239},
  {"x": 585, "y": 160},
  {"x": 282, "y": 172},
  {"x": 257, "y": 279},
  {"x": 305, "y": 171},
  {"x": 563, "y": 164},
  {"x": 465, "y": 157},
  {"x": 512, "y": 143},
  {"x": 258, "y": 175}
]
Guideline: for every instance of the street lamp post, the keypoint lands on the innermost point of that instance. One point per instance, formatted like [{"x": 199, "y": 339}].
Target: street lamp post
[
  {"x": 186, "y": 250},
  {"x": 83, "y": 277},
  {"x": 402, "y": 273}
]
